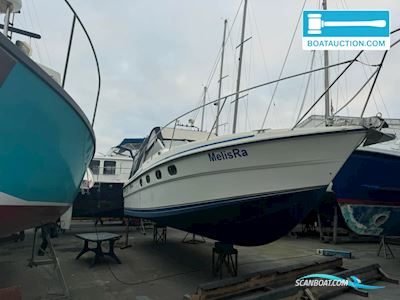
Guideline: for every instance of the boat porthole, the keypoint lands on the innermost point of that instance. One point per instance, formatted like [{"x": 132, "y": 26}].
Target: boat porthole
[
  {"x": 148, "y": 178},
  {"x": 172, "y": 170},
  {"x": 141, "y": 182},
  {"x": 158, "y": 174}
]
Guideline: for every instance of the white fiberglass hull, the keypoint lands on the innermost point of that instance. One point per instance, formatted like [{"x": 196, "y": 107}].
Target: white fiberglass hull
[{"x": 278, "y": 173}]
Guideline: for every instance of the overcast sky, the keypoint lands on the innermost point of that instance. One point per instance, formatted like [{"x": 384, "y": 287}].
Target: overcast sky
[{"x": 156, "y": 56}]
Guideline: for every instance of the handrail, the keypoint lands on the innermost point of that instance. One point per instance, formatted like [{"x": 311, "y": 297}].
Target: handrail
[
  {"x": 94, "y": 54},
  {"x": 350, "y": 61},
  {"x": 256, "y": 87}
]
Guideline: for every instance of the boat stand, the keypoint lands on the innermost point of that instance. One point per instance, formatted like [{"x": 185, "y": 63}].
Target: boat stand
[
  {"x": 141, "y": 224},
  {"x": 385, "y": 244},
  {"x": 142, "y": 227},
  {"x": 126, "y": 234},
  {"x": 227, "y": 255},
  {"x": 159, "y": 234},
  {"x": 193, "y": 239},
  {"x": 334, "y": 238},
  {"x": 52, "y": 260}
]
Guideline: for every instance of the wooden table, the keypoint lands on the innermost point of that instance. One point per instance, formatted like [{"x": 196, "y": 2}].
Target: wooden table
[{"x": 98, "y": 238}]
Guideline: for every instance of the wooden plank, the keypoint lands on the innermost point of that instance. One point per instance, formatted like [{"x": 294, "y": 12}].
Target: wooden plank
[
  {"x": 268, "y": 278},
  {"x": 387, "y": 278},
  {"x": 366, "y": 274},
  {"x": 280, "y": 280}
]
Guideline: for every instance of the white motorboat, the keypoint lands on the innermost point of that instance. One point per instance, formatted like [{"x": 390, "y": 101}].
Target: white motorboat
[
  {"x": 245, "y": 188},
  {"x": 110, "y": 172},
  {"x": 226, "y": 187}
]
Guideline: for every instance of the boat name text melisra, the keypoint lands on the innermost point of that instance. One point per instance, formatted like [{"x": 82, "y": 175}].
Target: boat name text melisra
[{"x": 229, "y": 154}]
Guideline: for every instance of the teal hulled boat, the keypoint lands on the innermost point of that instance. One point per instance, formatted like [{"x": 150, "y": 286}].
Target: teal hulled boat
[{"x": 46, "y": 143}]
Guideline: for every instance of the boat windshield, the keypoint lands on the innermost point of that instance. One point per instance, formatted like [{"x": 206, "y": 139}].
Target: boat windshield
[
  {"x": 151, "y": 144},
  {"x": 160, "y": 139}
]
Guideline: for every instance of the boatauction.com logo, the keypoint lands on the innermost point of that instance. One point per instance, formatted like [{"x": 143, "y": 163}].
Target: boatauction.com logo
[
  {"x": 334, "y": 281},
  {"x": 346, "y": 30}
]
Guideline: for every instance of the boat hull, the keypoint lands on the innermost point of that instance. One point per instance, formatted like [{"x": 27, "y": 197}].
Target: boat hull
[
  {"x": 367, "y": 189},
  {"x": 255, "y": 191},
  {"x": 248, "y": 221},
  {"x": 47, "y": 144},
  {"x": 15, "y": 218}
]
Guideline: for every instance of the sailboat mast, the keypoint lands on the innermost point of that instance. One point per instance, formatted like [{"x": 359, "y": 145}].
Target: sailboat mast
[
  {"x": 220, "y": 76},
  {"x": 239, "y": 69},
  {"x": 203, "y": 109},
  {"x": 326, "y": 83}
]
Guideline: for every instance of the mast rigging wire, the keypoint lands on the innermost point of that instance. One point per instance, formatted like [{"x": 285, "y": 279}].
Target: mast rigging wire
[
  {"x": 307, "y": 86},
  {"x": 284, "y": 63},
  {"x": 358, "y": 92},
  {"x": 41, "y": 30},
  {"x": 340, "y": 75},
  {"x": 36, "y": 44},
  {"x": 350, "y": 62},
  {"x": 366, "y": 76},
  {"x": 258, "y": 86},
  {"x": 352, "y": 98},
  {"x": 217, "y": 59},
  {"x": 326, "y": 90},
  {"x": 374, "y": 83},
  {"x": 379, "y": 93}
]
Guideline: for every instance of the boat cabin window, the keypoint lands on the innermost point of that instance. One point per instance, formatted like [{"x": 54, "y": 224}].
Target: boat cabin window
[
  {"x": 172, "y": 170},
  {"x": 94, "y": 166},
  {"x": 141, "y": 182},
  {"x": 109, "y": 167},
  {"x": 158, "y": 174},
  {"x": 148, "y": 178}
]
